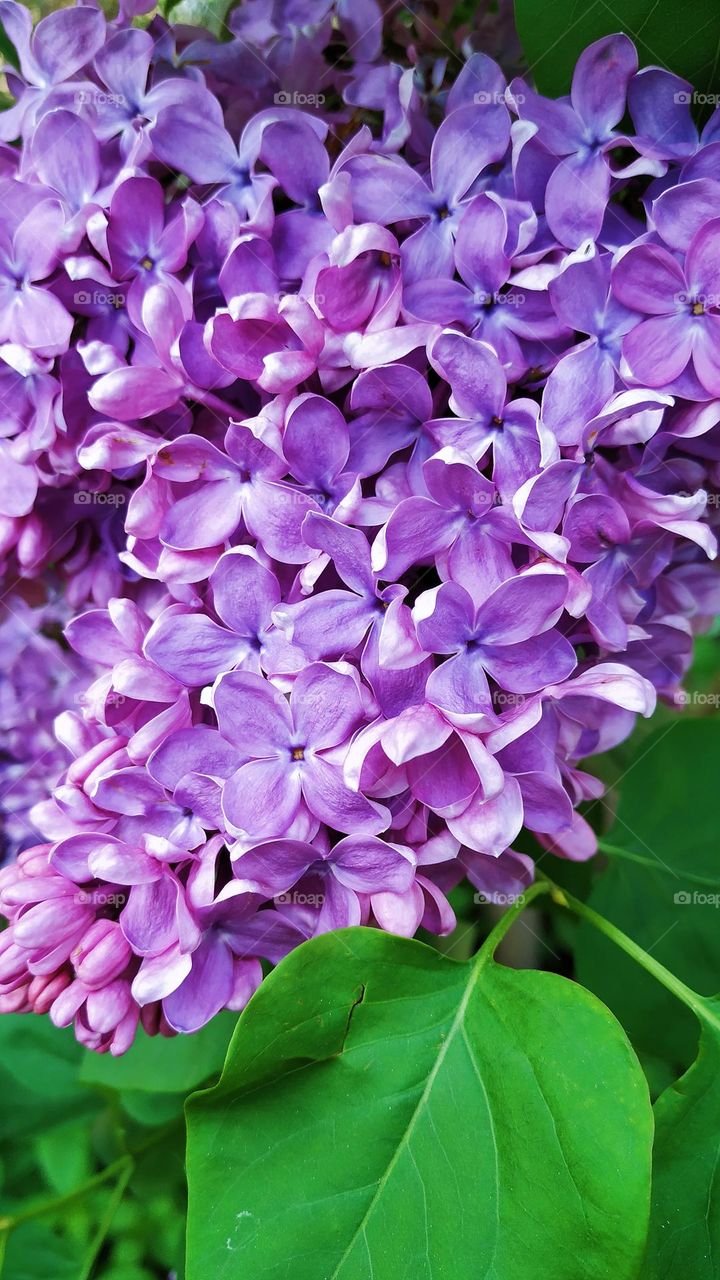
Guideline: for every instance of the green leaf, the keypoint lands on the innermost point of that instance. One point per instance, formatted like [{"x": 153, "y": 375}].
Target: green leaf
[
  {"x": 387, "y": 1111},
  {"x": 38, "y": 1077},
  {"x": 210, "y": 14},
  {"x": 152, "y": 1108},
  {"x": 662, "y": 887},
  {"x": 681, "y": 37},
  {"x": 156, "y": 1064},
  {"x": 39, "y": 1056},
  {"x": 684, "y": 1238},
  {"x": 64, "y": 1155}
]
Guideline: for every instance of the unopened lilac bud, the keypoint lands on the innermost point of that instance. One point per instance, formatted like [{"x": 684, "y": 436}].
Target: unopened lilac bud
[
  {"x": 34, "y": 542},
  {"x": 13, "y": 959},
  {"x": 102, "y": 955},
  {"x": 81, "y": 768},
  {"x": 43, "y": 992},
  {"x": 50, "y": 923},
  {"x": 15, "y": 1001},
  {"x": 106, "y": 1008},
  {"x": 66, "y": 1005},
  {"x": 124, "y": 1033}
]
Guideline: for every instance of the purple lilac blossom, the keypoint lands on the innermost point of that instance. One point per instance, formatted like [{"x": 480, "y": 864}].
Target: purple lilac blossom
[{"x": 373, "y": 447}]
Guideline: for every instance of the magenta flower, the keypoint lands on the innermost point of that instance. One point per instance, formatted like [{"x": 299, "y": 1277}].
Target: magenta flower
[
  {"x": 456, "y": 522},
  {"x": 487, "y": 424},
  {"x": 334, "y": 623},
  {"x": 487, "y": 304},
  {"x": 59, "y": 47},
  {"x": 243, "y": 484},
  {"x": 583, "y": 381},
  {"x": 362, "y": 288}
]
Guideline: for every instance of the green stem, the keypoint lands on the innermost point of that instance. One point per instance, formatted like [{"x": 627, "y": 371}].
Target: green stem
[
  {"x": 497, "y": 934},
  {"x": 616, "y": 852},
  {"x": 106, "y": 1220},
  {"x": 704, "y": 1009},
  {"x": 121, "y": 1168},
  {"x": 61, "y": 1202}
]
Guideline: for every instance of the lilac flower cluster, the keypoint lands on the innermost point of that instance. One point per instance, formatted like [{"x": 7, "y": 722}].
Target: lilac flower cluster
[{"x": 380, "y": 436}]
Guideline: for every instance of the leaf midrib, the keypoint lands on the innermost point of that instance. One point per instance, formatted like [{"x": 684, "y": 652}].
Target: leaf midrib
[{"x": 456, "y": 1024}]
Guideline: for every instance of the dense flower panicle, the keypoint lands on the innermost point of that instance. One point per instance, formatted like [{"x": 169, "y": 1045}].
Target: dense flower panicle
[{"x": 366, "y": 415}]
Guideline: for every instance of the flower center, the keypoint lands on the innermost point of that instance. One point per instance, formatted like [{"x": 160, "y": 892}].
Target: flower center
[
  {"x": 698, "y": 309},
  {"x": 147, "y": 263},
  {"x": 298, "y": 753}
]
